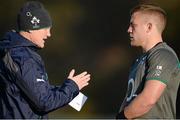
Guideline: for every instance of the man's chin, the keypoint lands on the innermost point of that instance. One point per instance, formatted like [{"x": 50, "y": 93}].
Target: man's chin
[
  {"x": 133, "y": 44},
  {"x": 40, "y": 46}
]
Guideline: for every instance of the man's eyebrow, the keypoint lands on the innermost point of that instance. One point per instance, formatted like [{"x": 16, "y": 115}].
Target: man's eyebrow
[{"x": 131, "y": 23}]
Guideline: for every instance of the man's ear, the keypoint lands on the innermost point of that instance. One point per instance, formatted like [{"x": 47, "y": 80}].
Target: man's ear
[{"x": 149, "y": 27}]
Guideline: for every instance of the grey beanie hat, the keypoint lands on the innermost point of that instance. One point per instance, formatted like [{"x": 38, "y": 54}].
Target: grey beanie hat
[{"x": 33, "y": 16}]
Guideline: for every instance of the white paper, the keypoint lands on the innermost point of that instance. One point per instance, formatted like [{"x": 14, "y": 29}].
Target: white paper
[{"x": 78, "y": 101}]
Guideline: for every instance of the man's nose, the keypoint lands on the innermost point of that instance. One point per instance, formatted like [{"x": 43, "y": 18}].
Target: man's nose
[
  {"x": 129, "y": 29},
  {"x": 48, "y": 33}
]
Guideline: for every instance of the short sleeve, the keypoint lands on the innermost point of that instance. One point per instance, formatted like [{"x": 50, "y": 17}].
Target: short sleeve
[{"x": 161, "y": 65}]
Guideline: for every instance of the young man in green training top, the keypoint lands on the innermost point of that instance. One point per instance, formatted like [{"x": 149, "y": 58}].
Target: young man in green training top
[{"x": 154, "y": 77}]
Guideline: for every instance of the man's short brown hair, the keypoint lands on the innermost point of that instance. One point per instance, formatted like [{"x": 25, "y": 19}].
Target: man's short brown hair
[{"x": 155, "y": 10}]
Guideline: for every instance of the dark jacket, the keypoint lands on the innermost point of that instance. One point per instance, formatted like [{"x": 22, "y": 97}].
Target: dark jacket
[{"x": 25, "y": 91}]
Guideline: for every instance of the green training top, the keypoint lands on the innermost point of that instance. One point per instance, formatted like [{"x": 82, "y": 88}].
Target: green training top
[{"x": 159, "y": 63}]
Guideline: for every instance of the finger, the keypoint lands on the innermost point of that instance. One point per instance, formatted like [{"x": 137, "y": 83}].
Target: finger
[
  {"x": 84, "y": 81},
  {"x": 82, "y": 74},
  {"x": 87, "y": 76},
  {"x": 71, "y": 74},
  {"x": 87, "y": 79},
  {"x": 82, "y": 86}
]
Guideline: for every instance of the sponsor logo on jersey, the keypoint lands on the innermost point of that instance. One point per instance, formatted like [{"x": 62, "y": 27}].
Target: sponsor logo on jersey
[{"x": 158, "y": 70}]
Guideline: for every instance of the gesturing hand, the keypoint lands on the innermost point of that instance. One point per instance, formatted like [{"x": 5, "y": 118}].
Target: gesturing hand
[{"x": 81, "y": 79}]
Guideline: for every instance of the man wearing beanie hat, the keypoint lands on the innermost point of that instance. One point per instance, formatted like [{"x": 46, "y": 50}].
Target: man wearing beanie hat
[
  {"x": 33, "y": 16},
  {"x": 25, "y": 91}
]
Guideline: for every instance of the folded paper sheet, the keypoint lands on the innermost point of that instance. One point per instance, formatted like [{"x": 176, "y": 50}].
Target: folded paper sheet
[{"x": 78, "y": 101}]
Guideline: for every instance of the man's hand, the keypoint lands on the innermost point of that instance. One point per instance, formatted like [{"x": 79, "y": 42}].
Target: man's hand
[{"x": 81, "y": 79}]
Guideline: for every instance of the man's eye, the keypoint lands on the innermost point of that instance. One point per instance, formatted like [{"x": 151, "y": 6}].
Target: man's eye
[{"x": 132, "y": 26}]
